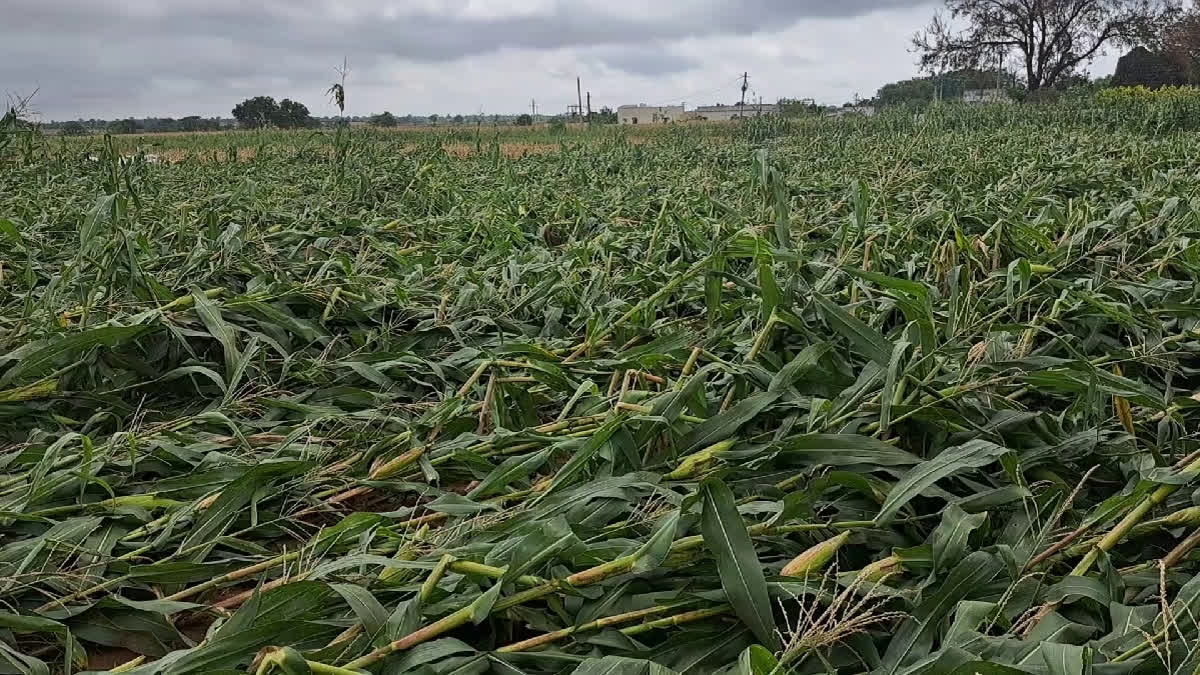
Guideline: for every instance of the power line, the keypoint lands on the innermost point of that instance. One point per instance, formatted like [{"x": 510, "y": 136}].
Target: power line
[{"x": 699, "y": 94}]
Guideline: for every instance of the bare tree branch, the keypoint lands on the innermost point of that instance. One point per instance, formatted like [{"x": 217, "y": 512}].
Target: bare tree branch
[{"x": 1052, "y": 38}]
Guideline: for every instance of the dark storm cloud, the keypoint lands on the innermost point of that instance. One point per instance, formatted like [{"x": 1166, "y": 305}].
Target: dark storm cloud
[
  {"x": 641, "y": 60},
  {"x": 106, "y": 56}
]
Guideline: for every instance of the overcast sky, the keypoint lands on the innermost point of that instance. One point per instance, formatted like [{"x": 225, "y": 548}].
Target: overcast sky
[{"x": 118, "y": 58}]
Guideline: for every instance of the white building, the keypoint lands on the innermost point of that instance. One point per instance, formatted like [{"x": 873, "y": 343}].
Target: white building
[
  {"x": 649, "y": 114},
  {"x": 721, "y": 113},
  {"x": 985, "y": 96}
]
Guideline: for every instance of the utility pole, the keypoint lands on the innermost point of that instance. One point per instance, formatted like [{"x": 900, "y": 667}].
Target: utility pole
[
  {"x": 745, "y": 86},
  {"x": 578, "y": 97},
  {"x": 589, "y": 108},
  {"x": 532, "y": 108}
]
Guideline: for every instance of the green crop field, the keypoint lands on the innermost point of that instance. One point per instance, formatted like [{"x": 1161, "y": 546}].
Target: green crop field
[{"x": 909, "y": 394}]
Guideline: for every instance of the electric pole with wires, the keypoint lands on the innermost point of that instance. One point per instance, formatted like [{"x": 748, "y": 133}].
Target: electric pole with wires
[{"x": 745, "y": 86}]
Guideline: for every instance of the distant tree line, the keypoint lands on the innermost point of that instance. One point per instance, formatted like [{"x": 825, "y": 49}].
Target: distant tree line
[
  {"x": 263, "y": 112},
  {"x": 799, "y": 107},
  {"x": 606, "y": 115},
  {"x": 945, "y": 86},
  {"x": 386, "y": 119},
  {"x": 129, "y": 125}
]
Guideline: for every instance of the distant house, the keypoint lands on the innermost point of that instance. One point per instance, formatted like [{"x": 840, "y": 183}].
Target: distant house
[
  {"x": 985, "y": 96},
  {"x": 720, "y": 113},
  {"x": 649, "y": 114},
  {"x": 666, "y": 114}
]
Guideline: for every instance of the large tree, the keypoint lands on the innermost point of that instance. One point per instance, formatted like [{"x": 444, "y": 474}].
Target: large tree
[
  {"x": 917, "y": 91},
  {"x": 255, "y": 113},
  {"x": 383, "y": 119},
  {"x": 1181, "y": 43},
  {"x": 1148, "y": 69},
  {"x": 1052, "y": 38},
  {"x": 258, "y": 112},
  {"x": 292, "y": 115}
]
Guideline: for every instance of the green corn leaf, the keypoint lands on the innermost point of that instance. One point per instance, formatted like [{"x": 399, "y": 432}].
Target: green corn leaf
[
  {"x": 1063, "y": 659},
  {"x": 914, "y": 637},
  {"x": 725, "y": 424},
  {"x": 741, "y": 574},
  {"x": 37, "y": 359},
  {"x": 803, "y": 363},
  {"x": 367, "y": 608},
  {"x": 970, "y": 455},
  {"x": 949, "y": 538},
  {"x": 864, "y": 339}
]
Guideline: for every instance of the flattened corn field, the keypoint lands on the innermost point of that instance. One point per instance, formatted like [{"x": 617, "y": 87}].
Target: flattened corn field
[{"x": 890, "y": 396}]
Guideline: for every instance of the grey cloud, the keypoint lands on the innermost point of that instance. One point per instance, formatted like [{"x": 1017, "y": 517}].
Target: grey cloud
[
  {"x": 102, "y": 55},
  {"x": 641, "y": 60}
]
